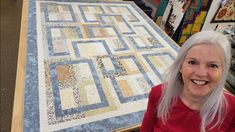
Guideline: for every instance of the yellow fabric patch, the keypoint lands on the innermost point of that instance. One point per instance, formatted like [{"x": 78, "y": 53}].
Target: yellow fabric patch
[
  {"x": 125, "y": 88},
  {"x": 63, "y": 72},
  {"x": 155, "y": 62},
  {"x": 67, "y": 99}
]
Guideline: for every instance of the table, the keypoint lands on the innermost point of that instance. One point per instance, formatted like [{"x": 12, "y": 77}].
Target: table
[{"x": 87, "y": 66}]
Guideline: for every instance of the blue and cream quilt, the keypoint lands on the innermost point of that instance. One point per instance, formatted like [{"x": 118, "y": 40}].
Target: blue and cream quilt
[{"x": 90, "y": 65}]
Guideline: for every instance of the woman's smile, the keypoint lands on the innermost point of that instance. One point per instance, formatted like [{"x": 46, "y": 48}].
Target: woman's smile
[{"x": 199, "y": 82}]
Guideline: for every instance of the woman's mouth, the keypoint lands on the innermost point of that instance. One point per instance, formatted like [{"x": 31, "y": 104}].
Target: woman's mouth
[{"x": 200, "y": 82}]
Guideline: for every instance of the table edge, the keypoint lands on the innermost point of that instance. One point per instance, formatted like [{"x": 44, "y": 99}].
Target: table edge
[{"x": 17, "y": 114}]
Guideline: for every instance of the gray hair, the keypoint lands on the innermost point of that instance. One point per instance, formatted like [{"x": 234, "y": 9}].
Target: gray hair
[{"x": 215, "y": 102}]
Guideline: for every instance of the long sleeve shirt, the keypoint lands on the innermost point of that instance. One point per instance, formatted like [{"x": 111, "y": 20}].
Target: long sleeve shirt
[{"x": 182, "y": 118}]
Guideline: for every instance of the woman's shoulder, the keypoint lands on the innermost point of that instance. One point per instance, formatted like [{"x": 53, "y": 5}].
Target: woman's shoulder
[
  {"x": 156, "y": 91},
  {"x": 230, "y": 99}
]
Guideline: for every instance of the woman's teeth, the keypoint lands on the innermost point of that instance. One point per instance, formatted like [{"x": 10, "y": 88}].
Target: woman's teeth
[{"x": 199, "y": 82}]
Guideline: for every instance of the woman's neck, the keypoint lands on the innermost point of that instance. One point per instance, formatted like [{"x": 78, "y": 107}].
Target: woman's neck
[{"x": 194, "y": 103}]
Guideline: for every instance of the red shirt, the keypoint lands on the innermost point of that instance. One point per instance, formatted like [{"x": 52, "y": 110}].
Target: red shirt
[{"x": 182, "y": 118}]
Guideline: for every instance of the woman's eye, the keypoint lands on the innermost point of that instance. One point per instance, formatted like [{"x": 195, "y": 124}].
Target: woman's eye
[
  {"x": 213, "y": 66},
  {"x": 192, "y": 62}
]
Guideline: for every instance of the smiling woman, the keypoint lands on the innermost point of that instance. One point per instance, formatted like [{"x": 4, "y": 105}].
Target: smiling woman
[
  {"x": 201, "y": 72},
  {"x": 192, "y": 97}
]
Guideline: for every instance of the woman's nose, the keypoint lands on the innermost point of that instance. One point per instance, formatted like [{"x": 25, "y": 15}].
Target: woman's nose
[{"x": 202, "y": 71}]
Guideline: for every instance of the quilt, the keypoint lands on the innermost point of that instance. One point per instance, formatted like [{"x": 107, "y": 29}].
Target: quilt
[
  {"x": 225, "y": 12},
  {"x": 194, "y": 19},
  {"x": 90, "y": 65},
  {"x": 173, "y": 15}
]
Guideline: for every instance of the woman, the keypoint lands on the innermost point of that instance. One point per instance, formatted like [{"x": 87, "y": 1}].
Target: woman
[{"x": 193, "y": 98}]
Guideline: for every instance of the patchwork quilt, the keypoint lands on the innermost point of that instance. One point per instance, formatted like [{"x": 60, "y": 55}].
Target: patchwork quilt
[{"x": 91, "y": 65}]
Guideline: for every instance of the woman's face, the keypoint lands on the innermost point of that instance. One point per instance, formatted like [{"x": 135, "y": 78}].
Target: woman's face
[{"x": 201, "y": 70}]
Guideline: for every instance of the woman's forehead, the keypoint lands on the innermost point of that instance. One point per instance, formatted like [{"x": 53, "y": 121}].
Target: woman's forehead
[{"x": 209, "y": 52}]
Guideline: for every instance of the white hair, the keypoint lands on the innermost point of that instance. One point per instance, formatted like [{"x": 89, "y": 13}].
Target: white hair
[{"x": 215, "y": 102}]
